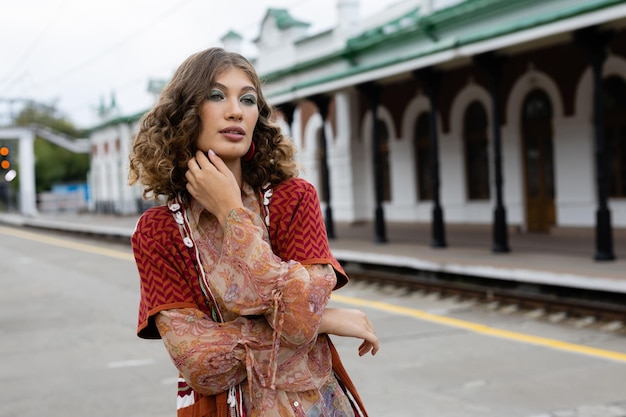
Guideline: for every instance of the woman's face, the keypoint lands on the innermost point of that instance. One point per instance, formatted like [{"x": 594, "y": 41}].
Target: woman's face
[{"x": 228, "y": 116}]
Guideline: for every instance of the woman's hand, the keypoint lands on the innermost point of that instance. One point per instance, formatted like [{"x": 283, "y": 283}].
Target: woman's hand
[
  {"x": 350, "y": 323},
  {"x": 213, "y": 185}
]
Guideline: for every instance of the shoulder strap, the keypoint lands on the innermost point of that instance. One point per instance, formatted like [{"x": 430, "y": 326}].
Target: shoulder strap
[{"x": 344, "y": 379}]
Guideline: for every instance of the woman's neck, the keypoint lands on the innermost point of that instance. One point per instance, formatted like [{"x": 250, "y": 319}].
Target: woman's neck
[{"x": 235, "y": 168}]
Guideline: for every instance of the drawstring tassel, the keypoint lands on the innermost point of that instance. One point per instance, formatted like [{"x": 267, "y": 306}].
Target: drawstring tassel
[
  {"x": 233, "y": 402},
  {"x": 232, "y": 397},
  {"x": 277, "y": 325}
]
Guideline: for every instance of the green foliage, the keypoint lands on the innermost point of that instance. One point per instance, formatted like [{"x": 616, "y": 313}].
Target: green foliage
[
  {"x": 54, "y": 164},
  {"x": 47, "y": 116}
]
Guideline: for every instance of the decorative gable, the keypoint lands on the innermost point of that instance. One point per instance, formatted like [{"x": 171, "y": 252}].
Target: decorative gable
[
  {"x": 232, "y": 41},
  {"x": 277, "y": 27}
]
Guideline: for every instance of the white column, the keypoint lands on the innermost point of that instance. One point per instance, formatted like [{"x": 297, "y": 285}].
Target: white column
[
  {"x": 341, "y": 158},
  {"x": 28, "y": 196},
  {"x": 115, "y": 177}
]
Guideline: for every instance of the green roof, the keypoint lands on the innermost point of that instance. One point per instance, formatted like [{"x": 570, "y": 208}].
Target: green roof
[
  {"x": 232, "y": 35},
  {"x": 465, "y": 23},
  {"x": 117, "y": 121},
  {"x": 284, "y": 20}
]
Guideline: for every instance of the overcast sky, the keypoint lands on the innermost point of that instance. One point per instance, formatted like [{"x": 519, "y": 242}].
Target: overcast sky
[{"x": 72, "y": 53}]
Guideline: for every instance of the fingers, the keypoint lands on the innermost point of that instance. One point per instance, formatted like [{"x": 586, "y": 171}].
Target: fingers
[
  {"x": 370, "y": 340},
  {"x": 375, "y": 347},
  {"x": 351, "y": 323},
  {"x": 199, "y": 167},
  {"x": 201, "y": 161},
  {"x": 370, "y": 343},
  {"x": 365, "y": 347},
  {"x": 216, "y": 161},
  {"x": 199, "y": 174},
  {"x": 210, "y": 161},
  {"x": 213, "y": 185}
]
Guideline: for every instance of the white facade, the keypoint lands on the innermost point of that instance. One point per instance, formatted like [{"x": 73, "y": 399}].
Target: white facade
[
  {"x": 322, "y": 64},
  {"x": 108, "y": 177}
]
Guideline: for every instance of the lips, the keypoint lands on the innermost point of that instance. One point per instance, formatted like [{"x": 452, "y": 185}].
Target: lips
[
  {"x": 233, "y": 133},
  {"x": 233, "y": 130}
]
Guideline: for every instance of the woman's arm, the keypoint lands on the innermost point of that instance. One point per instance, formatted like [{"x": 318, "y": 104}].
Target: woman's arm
[
  {"x": 350, "y": 323},
  {"x": 211, "y": 356},
  {"x": 249, "y": 279}
]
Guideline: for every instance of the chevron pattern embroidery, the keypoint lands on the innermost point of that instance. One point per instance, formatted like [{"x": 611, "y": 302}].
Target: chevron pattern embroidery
[
  {"x": 297, "y": 230},
  {"x": 167, "y": 275}
]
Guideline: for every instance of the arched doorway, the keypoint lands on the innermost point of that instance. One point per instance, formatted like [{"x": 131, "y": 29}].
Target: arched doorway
[
  {"x": 538, "y": 161},
  {"x": 476, "y": 147},
  {"x": 423, "y": 158}
]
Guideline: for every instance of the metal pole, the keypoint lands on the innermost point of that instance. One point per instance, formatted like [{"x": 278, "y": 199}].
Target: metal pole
[
  {"x": 596, "y": 43},
  {"x": 379, "y": 213},
  {"x": 492, "y": 65},
  {"x": 431, "y": 80},
  {"x": 604, "y": 237},
  {"x": 380, "y": 229}
]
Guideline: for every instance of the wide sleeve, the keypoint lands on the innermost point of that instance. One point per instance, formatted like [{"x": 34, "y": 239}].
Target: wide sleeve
[
  {"x": 165, "y": 269},
  {"x": 211, "y": 356},
  {"x": 249, "y": 279}
]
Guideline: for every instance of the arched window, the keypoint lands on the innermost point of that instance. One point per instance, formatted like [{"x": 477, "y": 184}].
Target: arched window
[
  {"x": 423, "y": 157},
  {"x": 615, "y": 130},
  {"x": 476, "y": 152},
  {"x": 383, "y": 154}
]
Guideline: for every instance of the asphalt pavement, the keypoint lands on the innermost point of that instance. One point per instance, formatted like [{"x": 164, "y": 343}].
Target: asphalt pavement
[{"x": 68, "y": 311}]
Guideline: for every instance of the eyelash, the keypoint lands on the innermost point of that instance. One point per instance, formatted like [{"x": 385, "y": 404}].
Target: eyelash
[
  {"x": 216, "y": 95},
  {"x": 247, "y": 99}
]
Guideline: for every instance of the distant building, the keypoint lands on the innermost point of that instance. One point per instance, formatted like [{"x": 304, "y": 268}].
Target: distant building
[
  {"x": 496, "y": 112},
  {"x": 108, "y": 176}
]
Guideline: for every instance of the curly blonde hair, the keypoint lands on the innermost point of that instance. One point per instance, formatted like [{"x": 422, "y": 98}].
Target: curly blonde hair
[{"x": 169, "y": 131}]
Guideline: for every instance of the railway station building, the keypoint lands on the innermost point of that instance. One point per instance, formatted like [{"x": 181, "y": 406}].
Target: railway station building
[{"x": 504, "y": 113}]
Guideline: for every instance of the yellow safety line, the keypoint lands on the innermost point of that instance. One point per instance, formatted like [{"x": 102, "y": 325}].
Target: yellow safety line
[
  {"x": 390, "y": 308},
  {"x": 66, "y": 243},
  {"x": 481, "y": 328}
]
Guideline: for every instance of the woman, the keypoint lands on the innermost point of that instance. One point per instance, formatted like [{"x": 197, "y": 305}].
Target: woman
[{"x": 246, "y": 329}]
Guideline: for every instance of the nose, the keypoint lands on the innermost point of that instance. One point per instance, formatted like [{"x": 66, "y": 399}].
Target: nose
[{"x": 234, "y": 110}]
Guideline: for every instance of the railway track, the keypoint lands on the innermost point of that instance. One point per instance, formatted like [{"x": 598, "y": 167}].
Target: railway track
[{"x": 602, "y": 309}]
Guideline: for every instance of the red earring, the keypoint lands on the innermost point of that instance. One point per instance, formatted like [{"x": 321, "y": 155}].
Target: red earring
[{"x": 248, "y": 156}]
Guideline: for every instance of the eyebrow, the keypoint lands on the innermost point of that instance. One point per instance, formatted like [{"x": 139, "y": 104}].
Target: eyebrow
[{"x": 245, "y": 89}]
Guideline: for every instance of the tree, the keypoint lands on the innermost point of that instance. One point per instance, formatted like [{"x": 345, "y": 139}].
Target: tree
[{"x": 54, "y": 164}]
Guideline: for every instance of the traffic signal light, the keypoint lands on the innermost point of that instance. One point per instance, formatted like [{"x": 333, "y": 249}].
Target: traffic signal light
[{"x": 5, "y": 163}]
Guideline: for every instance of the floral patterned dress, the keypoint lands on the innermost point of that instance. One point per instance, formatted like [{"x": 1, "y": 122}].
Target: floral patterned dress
[{"x": 270, "y": 308}]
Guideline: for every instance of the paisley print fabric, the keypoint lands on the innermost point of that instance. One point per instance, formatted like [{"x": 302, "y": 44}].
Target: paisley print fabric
[{"x": 271, "y": 307}]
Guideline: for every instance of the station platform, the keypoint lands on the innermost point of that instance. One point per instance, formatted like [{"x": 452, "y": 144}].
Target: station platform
[{"x": 562, "y": 258}]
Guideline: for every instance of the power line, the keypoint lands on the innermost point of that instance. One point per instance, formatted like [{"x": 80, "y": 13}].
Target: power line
[
  {"x": 33, "y": 46},
  {"x": 240, "y": 27},
  {"x": 91, "y": 61},
  {"x": 181, "y": 4}
]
